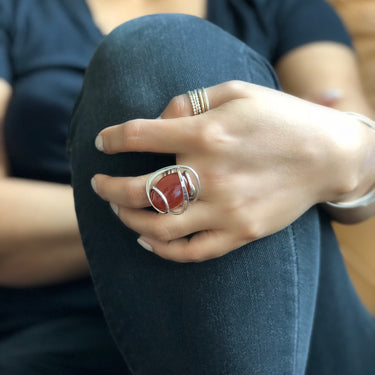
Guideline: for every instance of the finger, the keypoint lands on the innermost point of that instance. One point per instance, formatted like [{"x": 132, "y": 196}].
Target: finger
[
  {"x": 124, "y": 191},
  {"x": 167, "y": 227},
  {"x": 181, "y": 106},
  {"x": 202, "y": 246},
  {"x": 161, "y": 136},
  {"x": 174, "y": 135}
]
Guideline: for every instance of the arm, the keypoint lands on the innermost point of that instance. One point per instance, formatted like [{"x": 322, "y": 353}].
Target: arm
[
  {"x": 5, "y": 94},
  {"x": 312, "y": 70},
  {"x": 39, "y": 238},
  {"x": 315, "y": 69},
  {"x": 260, "y": 168}
]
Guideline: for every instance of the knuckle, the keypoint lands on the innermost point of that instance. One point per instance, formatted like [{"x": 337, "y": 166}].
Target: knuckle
[
  {"x": 161, "y": 232},
  {"x": 251, "y": 231},
  {"x": 101, "y": 185},
  {"x": 216, "y": 178},
  {"x": 248, "y": 227},
  {"x": 133, "y": 196},
  {"x": 212, "y": 137},
  {"x": 237, "y": 88},
  {"x": 193, "y": 254},
  {"x": 178, "y": 107},
  {"x": 131, "y": 135}
]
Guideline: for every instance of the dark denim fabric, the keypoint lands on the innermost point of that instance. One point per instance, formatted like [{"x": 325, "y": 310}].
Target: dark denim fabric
[
  {"x": 76, "y": 344},
  {"x": 249, "y": 312}
]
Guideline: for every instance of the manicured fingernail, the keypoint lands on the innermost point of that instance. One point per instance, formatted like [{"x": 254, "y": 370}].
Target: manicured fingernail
[
  {"x": 332, "y": 94},
  {"x": 145, "y": 244},
  {"x": 99, "y": 143},
  {"x": 114, "y": 207},
  {"x": 93, "y": 185}
]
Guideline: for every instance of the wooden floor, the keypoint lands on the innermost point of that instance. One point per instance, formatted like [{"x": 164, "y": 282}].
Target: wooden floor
[{"x": 357, "y": 244}]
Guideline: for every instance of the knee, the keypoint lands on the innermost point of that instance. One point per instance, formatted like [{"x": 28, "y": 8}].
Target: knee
[
  {"x": 143, "y": 63},
  {"x": 153, "y": 31},
  {"x": 169, "y": 53},
  {"x": 145, "y": 45}
]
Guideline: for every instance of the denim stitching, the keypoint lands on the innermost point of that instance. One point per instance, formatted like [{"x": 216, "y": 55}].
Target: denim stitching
[{"x": 296, "y": 292}]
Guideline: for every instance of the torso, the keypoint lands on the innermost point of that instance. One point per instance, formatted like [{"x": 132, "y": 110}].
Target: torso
[
  {"x": 47, "y": 69},
  {"x": 111, "y": 13},
  {"x": 46, "y": 75}
]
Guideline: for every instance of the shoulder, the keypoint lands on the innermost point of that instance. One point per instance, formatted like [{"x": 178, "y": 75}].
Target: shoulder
[
  {"x": 277, "y": 9},
  {"x": 13, "y": 9},
  {"x": 7, "y": 10},
  {"x": 27, "y": 21},
  {"x": 15, "y": 14},
  {"x": 299, "y": 22}
]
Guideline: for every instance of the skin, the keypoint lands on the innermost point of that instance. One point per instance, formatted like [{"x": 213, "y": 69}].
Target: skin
[
  {"x": 337, "y": 157},
  {"x": 111, "y": 13},
  {"x": 312, "y": 70},
  {"x": 39, "y": 237},
  {"x": 44, "y": 249},
  {"x": 260, "y": 169}
]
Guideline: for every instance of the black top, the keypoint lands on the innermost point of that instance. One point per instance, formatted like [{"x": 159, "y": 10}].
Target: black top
[{"x": 45, "y": 46}]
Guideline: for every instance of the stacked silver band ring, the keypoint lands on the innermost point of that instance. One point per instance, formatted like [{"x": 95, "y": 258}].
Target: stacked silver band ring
[{"x": 199, "y": 101}]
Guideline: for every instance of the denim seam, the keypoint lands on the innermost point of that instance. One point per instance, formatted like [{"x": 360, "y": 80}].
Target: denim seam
[
  {"x": 297, "y": 296},
  {"x": 114, "y": 331}
]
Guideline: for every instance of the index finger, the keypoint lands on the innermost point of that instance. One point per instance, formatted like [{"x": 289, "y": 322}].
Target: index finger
[
  {"x": 175, "y": 132},
  {"x": 163, "y": 136}
]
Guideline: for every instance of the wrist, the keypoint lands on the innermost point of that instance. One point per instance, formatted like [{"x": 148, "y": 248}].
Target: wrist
[{"x": 356, "y": 145}]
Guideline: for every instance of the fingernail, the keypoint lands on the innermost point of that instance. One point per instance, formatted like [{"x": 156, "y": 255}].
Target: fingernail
[
  {"x": 93, "y": 185},
  {"x": 99, "y": 143},
  {"x": 145, "y": 244},
  {"x": 158, "y": 118},
  {"x": 332, "y": 94},
  {"x": 114, "y": 207}
]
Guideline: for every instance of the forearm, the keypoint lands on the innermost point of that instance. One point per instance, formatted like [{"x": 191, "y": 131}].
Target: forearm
[
  {"x": 316, "y": 71},
  {"x": 313, "y": 72},
  {"x": 34, "y": 211},
  {"x": 38, "y": 229},
  {"x": 43, "y": 265}
]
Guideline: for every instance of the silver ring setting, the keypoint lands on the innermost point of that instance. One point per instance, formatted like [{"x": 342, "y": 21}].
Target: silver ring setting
[
  {"x": 199, "y": 101},
  {"x": 173, "y": 188}
]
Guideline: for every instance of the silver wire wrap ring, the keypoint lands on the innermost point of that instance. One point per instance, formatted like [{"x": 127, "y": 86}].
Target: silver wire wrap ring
[
  {"x": 199, "y": 101},
  {"x": 173, "y": 188}
]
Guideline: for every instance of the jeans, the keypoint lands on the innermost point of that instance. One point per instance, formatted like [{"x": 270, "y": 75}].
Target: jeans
[
  {"x": 280, "y": 305},
  {"x": 74, "y": 344}
]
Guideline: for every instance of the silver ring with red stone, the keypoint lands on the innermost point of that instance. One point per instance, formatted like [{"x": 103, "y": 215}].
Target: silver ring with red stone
[{"x": 172, "y": 189}]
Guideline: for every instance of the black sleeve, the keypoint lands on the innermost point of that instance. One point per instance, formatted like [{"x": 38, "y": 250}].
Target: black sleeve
[
  {"x": 5, "y": 40},
  {"x": 305, "y": 21}
]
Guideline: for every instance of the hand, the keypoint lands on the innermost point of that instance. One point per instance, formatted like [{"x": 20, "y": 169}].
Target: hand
[{"x": 263, "y": 158}]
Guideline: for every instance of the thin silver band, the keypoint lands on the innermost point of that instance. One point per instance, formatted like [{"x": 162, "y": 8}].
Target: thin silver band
[{"x": 199, "y": 101}]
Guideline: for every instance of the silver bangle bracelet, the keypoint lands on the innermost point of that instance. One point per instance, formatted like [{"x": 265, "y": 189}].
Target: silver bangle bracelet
[
  {"x": 368, "y": 122},
  {"x": 363, "y": 201},
  {"x": 368, "y": 198}
]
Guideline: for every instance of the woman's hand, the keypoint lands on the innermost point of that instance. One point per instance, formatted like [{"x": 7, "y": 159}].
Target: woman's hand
[{"x": 263, "y": 158}]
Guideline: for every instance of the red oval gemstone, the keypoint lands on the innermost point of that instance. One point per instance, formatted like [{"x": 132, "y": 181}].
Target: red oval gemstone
[{"x": 171, "y": 188}]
